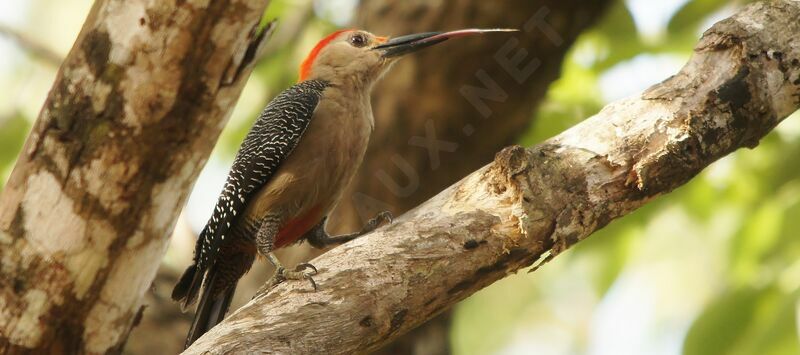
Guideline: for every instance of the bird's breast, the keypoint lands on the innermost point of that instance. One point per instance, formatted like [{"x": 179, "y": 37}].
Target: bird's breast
[{"x": 311, "y": 180}]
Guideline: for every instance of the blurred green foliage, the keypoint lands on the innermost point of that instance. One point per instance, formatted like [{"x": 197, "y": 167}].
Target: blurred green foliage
[
  {"x": 746, "y": 206},
  {"x": 12, "y": 137},
  {"x": 278, "y": 69}
]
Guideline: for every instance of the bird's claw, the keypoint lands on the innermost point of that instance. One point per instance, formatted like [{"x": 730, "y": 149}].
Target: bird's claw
[
  {"x": 281, "y": 275},
  {"x": 303, "y": 266},
  {"x": 299, "y": 273},
  {"x": 386, "y": 216},
  {"x": 375, "y": 222}
]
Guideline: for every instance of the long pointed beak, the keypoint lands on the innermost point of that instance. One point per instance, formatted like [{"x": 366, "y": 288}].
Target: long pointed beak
[{"x": 411, "y": 43}]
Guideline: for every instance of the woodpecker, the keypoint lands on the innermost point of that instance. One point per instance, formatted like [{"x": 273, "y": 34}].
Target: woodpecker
[{"x": 292, "y": 168}]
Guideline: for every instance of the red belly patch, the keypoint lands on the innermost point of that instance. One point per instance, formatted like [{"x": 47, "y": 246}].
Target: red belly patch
[{"x": 293, "y": 229}]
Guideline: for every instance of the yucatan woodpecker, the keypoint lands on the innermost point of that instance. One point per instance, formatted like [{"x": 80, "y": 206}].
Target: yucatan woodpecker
[{"x": 292, "y": 167}]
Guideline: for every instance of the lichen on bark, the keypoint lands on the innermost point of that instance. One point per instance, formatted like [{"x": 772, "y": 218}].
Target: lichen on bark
[{"x": 130, "y": 121}]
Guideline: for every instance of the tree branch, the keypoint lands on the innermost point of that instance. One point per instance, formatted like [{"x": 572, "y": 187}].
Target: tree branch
[
  {"x": 32, "y": 46},
  {"x": 129, "y": 123},
  {"x": 400, "y": 171},
  {"x": 529, "y": 205}
]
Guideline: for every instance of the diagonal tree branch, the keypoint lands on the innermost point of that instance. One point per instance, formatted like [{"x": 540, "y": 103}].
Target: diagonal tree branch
[{"x": 531, "y": 204}]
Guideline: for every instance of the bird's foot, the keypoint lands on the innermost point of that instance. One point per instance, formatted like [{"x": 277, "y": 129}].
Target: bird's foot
[
  {"x": 377, "y": 221},
  {"x": 304, "y": 271}
]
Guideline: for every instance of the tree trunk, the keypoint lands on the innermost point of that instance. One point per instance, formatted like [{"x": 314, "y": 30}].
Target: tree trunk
[
  {"x": 529, "y": 205},
  {"x": 132, "y": 116}
]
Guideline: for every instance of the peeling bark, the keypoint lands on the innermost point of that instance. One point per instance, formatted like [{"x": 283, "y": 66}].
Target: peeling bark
[
  {"x": 130, "y": 121},
  {"x": 531, "y": 204},
  {"x": 404, "y": 165},
  {"x": 419, "y": 78},
  {"x": 437, "y": 105}
]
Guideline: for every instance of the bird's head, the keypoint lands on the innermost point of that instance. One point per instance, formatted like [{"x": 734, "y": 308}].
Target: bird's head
[{"x": 361, "y": 57}]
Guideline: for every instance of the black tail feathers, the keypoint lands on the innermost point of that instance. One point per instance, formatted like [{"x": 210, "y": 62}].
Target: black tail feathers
[
  {"x": 212, "y": 307},
  {"x": 188, "y": 287}
]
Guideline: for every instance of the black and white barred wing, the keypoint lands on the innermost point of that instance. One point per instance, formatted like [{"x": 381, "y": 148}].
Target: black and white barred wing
[{"x": 273, "y": 137}]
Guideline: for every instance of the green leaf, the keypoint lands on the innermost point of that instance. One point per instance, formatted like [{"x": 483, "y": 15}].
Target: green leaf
[
  {"x": 12, "y": 136},
  {"x": 775, "y": 330},
  {"x": 701, "y": 199},
  {"x": 486, "y": 321},
  {"x": 618, "y": 36},
  {"x": 756, "y": 238},
  {"x": 689, "y": 17},
  {"x": 723, "y": 323}
]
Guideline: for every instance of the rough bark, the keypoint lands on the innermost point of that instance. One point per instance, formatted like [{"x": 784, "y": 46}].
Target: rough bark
[
  {"x": 531, "y": 204},
  {"x": 130, "y": 120},
  {"x": 420, "y": 108},
  {"x": 433, "y": 124}
]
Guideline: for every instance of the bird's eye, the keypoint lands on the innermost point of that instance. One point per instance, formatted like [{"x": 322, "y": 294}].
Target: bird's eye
[{"x": 358, "y": 40}]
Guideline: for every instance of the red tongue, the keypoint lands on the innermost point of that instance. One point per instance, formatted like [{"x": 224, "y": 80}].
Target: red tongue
[{"x": 465, "y": 32}]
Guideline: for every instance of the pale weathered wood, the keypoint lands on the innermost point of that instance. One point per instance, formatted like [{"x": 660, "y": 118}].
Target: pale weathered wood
[
  {"x": 417, "y": 81},
  {"x": 419, "y": 107},
  {"x": 131, "y": 119},
  {"x": 531, "y": 204}
]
